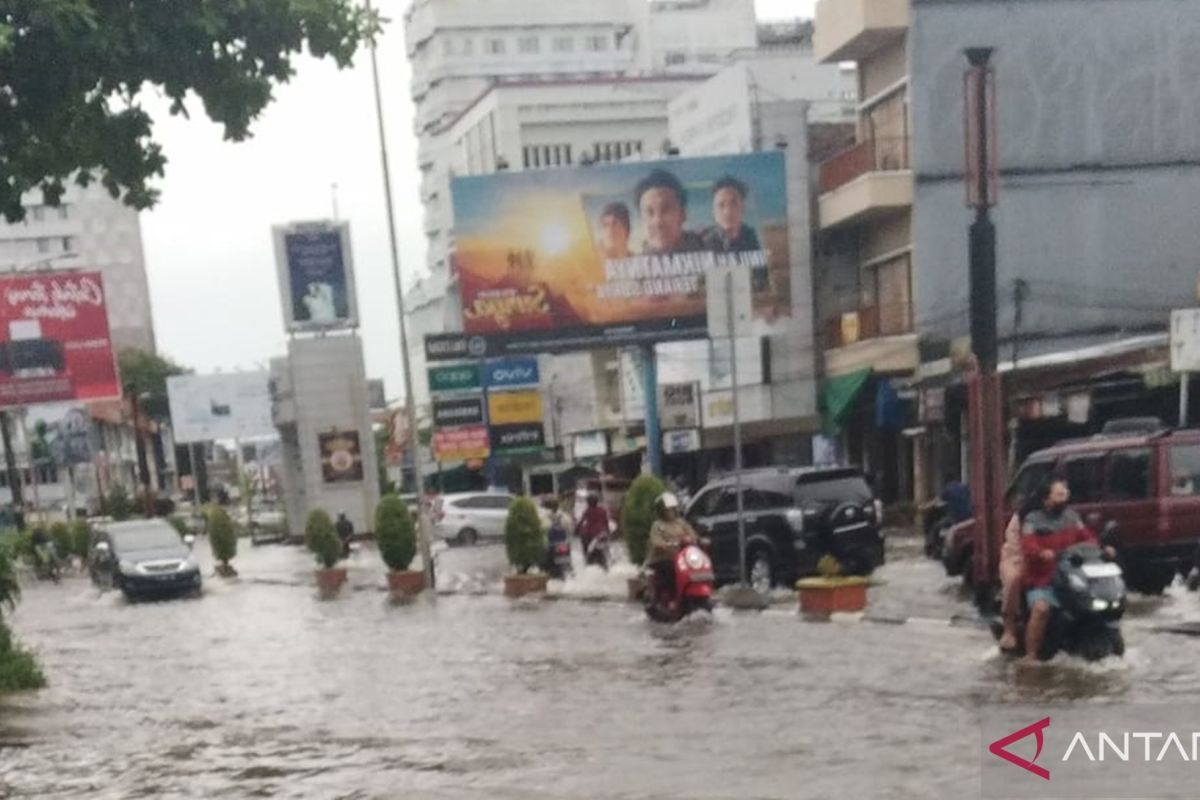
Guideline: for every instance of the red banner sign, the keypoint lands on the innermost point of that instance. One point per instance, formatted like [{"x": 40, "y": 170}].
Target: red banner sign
[
  {"x": 54, "y": 339},
  {"x": 462, "y": 444}
]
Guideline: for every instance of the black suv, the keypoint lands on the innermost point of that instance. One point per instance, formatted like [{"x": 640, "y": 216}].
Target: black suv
[{"x": 794, "y": 516}]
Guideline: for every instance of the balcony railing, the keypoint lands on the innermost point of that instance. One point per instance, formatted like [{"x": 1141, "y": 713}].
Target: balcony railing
[
  {"x": 870, "y": 322},
  {"x": 879, "y": 154}
]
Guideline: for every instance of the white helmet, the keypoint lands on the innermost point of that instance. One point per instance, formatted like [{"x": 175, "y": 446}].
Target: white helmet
[{"x": 667, "y": 500}]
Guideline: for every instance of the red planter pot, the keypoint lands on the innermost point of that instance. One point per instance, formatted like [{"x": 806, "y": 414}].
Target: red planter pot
[
  {"x": 825, "y": 596},
  {"x": 406, "y": 584},
  {"x": 329, "y": 581},
  {"x": 521, "y": 585}
]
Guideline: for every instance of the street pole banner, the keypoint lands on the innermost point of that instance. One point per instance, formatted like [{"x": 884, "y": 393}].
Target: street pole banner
[{"x": 54, "y": 339}]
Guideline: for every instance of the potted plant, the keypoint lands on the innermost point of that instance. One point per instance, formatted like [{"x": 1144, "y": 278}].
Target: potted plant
[
  {"x": 60, "y": 535},
  {"x": 397, "y": 538},
  {"x": 830, "y": 592},
  {"x": 81, "y": 540},
  {"x": 637, "y": 516},
  {"x": 222, "y": 537},
  {"x": 321, "y": 538},
  {"x": 525, "y": 545}
]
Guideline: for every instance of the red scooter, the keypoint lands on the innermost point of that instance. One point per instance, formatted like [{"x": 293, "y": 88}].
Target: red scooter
[{"x": 693, "y": 588}]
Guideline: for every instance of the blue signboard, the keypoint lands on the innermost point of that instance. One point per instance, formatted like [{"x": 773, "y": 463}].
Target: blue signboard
[{"x": 510, "y": 373}]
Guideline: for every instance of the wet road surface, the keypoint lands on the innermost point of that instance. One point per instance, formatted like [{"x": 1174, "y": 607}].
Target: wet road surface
[{"x": 257, "y": 689}]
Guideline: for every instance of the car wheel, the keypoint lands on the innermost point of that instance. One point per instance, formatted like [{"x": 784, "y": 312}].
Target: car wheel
[
  {"x": 467, "y": 537},
  {"x": 760, "y": 572}
]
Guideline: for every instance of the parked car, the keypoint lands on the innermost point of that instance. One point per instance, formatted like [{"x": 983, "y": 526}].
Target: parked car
[
  {"x": 142, "y": 557},
  {"x": 793, "y": 517},
  {"x": 469, "y": 517},
  {"x": 1141, "y": 490}
]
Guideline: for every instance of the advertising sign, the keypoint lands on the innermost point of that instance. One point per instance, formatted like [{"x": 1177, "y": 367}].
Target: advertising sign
[
  {"x": 593, "y": 444},
  {"x": 576, "y": 258},
  {"x": 397, "y": 436},
  {"x": 54, "y": 339},
  {"x": 461, "y": 444},
  {"x": 508, "y": 408},
  {"x": 316, "y": 276},
  {"x": 456, "y": 378},
  {"x": 509, "y": 439},
  {"x": 204, "y": 408},
  {"x": 679, "y": 405},
  {"x": 686, "y": 440},
  {"x": 510, "y": 373},
  {"x": 449, "y": 413},
  {"x": 341, "y": 457}
]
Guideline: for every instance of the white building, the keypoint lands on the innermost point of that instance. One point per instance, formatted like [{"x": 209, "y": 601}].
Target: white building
[{"x": 88, "y": 230}]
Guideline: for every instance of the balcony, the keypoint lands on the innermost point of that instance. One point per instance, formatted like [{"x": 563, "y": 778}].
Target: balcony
[
  {"x": 880, "y": 338},
  {"x": 868, "y": 179},
  {"x": 851, "y": 30}
]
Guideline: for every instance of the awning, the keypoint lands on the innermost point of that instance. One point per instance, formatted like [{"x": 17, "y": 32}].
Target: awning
[{"x": 837, "y": 398}]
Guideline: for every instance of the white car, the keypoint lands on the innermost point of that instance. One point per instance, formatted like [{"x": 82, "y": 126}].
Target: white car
[{"x": 470, "y": 517}]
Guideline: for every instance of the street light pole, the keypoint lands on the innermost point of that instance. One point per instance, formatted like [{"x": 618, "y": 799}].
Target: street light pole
[{"x": 410, "y": 397}]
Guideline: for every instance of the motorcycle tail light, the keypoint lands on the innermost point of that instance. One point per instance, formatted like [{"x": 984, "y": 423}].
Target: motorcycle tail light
[{"x": 561, "y": 549}]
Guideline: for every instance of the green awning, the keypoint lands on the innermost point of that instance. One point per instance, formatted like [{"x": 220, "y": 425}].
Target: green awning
[{"x": 837, "y": 398}]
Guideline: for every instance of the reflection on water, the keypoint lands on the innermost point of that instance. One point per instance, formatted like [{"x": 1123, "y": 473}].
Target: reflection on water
[{"x": 259, "y": 690}]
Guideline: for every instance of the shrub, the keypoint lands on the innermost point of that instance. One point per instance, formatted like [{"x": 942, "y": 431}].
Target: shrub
[
  {"x": 524, "y": 538},
  {"x": 60, "y": 534},
  {"x": 10, "y": 590},
  {"x": 117, "y": 504},
  {"x": 81, "y": 538},
  {"x": 18, "y": 669},
  {"x": 321, "y": 538},
  {"x": 179, "y": 524},
  {"x": 637, "y": 515},
  {"x": 222, "y": 536},
  {"x": 396, "y": 533}
]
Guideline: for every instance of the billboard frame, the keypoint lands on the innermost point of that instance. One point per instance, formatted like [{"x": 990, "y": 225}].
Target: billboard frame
[{"x": 279, "y": 234}]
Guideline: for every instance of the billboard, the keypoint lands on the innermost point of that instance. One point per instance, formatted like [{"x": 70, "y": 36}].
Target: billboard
[
  {"x": 456, "y": 378},
  {"x": 341, "y": 457},
  {"x": 465, "y": 411},
  {"x": 461, "y": 444},
  {"x": 516, "y": 439},
  {"x": 316, "y": 275},
  {"x": 235, "y": 405},
  {"x": 509, "y": 373},
  {"x": 54, "y": 339},
  {"x": 575, "y": 258},
  {"x": 509, "y": 408}
]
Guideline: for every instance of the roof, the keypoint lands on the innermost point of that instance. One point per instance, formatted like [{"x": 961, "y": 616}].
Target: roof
[{"x": 1102, "y": 442}]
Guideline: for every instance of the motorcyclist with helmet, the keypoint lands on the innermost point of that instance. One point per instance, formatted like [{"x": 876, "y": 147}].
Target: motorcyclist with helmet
[
  {"x": 594, "y": 522},
  {"x": 668, "y": 533}
]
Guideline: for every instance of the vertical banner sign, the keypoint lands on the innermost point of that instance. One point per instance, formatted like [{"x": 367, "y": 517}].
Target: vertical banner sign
[
  {"x": 316, "y": 276},
  {"x": 54, "y": 339},
  {"x": 341, "y": 457}
]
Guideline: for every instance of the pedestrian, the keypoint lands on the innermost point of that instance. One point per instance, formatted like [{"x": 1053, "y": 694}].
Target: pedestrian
[{"x": 345, "y": 532}]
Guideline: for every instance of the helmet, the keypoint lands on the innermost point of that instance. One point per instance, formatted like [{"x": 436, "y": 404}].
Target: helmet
[
  {"x": 666, "y": 501},
  {"x": 593, "y": 498}
]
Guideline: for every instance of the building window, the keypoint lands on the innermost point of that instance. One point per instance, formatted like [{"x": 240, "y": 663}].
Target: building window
[
  {"x": 67, "y": 243},
  {"x": 529, "y": 44},
  {"x": 466, "y": 46},
  {"x": 615, "y": 151},
  {"x": 564, "y": 44},
  {"x": 39, "y": 213},
  {"x": 494, "y": 47},
  {"x": 63, "y": 213},
  {"x": 43, "y": 245},
  {"x": 549, "y": 155},
  {"x": 596, "y": 44},
  {"x": 887, "y": 298},
  {"x": 447, "y": 47}
]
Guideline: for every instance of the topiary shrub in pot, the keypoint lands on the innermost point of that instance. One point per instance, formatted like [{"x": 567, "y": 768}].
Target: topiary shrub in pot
[
  {"x": 81, "y": 540},
  {"x": 525, "y": 545},
  {"x": 60, "y": 535},
  {"x": 321, "y": 539},
  {"x": 222, "y": 537},
  {"x": 637, "y": 515},
  {"x": 396, "y": 534}
]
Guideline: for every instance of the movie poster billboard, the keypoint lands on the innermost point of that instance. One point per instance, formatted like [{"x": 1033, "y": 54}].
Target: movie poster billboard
[
  {"x": 54, "y": 339},
  {"x": 567, "y": 259},
  {"x": 316, "y": 276}
]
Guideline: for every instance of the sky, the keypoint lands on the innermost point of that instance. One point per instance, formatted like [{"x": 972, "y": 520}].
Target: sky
[{"x": 208, "y": 243}]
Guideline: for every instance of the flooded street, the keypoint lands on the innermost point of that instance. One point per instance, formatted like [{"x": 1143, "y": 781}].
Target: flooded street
[{"x": 259, "y": 690}]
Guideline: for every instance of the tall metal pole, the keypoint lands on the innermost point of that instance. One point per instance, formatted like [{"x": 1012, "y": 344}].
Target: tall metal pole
[
  {"x": 409, "y": 396},
  {"x": 650, "y": 390},
  {"x": 737, "y": 428},
  {"x": 192, "y": 451},
  {"x": 1183, "y": 399},
  {"x": 33, "y": 476}
]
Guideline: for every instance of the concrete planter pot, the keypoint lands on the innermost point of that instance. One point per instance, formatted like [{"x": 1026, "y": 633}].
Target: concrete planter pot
[
  {"x": 405, "y": 584},
  {"x": 521, "y": 585},
  {"x": 226, "y": 571},
  {"x": 821, "y": 597},
  {"x": 329, "y": 581},
  {"x": 637, "y": 589}
]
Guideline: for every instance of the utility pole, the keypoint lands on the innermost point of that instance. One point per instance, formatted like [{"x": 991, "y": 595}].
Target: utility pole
[
  {"x": 984, "y": 394},
  {"x": 737, "y": 428},
  {"x": 10, "y": 460},
  {"x": 410, "y": 398}
]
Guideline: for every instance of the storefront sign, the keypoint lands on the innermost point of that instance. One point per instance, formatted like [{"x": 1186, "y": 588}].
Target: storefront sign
[
  {"x": 510, "y": 439},
  {"x": 461, "y": 444},
  {"x": 510, "y": 408},
  {"x": 451, "y": 413},
  {"x": 593, "y": 444},
  {"x": 681, "y": 441},
  {"x": 511, "y": 373},
  {"x": 457, "y": 378},
  {"x": 679, "y": 405}
]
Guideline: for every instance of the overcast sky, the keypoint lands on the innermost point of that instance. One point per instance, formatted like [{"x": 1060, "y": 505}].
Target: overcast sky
[{"x": 208, "y": 243}]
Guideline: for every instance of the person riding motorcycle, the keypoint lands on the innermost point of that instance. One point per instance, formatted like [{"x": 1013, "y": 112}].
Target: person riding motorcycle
[
  {"x": 668, "y": 533},
  {"x": 594, "y": 522}
]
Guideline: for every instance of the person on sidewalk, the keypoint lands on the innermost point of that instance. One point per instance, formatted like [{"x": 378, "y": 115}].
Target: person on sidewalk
[{"x": 345, "y": 532}]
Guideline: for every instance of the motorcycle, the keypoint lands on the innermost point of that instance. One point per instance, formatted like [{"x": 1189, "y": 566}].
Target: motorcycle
[
  {"x": 595, "y": 552},
  {"x": 692, "y": 590},
  {"x": 47, "y": 566},
  {"x": 1091, "y": 595},
  {"x": 558, "y": 554}
]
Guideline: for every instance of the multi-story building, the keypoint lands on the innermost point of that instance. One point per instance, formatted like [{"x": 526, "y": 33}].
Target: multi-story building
[
  {"x": 88, "y": 230},
  {"x": 1099, "y": 157}
]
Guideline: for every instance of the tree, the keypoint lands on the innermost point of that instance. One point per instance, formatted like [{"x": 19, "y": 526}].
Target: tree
[
  {"x": 144, "y": 376},
  {"x": 10, "y": 590},
  {"x": 524, "y": 539},
  {"x": 396, "y": 533},
  {"x": 75, "y": 71},
  {"x": 638, "y": 514}
]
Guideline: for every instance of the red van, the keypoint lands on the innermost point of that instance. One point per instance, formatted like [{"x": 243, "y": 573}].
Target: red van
[{"x": 1141, "y": 490}]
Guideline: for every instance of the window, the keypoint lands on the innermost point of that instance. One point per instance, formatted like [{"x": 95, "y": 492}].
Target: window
[
  {"x": 43, "y": 245},
  {"x": 529, "y": 44},
  {"x": 564, "y": 44},
  {"x": 1085, "y": 476},
  {"x": 553, "y": 155},
  {"x": 466, "y": 46},
  {"x": 63, "y": 213},
  {"x": 596, "y": 44},
  {"x": 887, "y": 297},
  {"x": 67, "y": 243},
  {"x": 848, "y": 489},
  {"x": 676, "y": 58},
  {"x": 1185, "y": 470},
  {"x": 1129, "y": 474},
  {"x": 494, "y": 47},
  {"x": 615, "y": 151},
  {"x": 1029, "y": 480},
  {"x": 39, "y": 213},
  {"x": 706, "y": 505},
  {"x": 766, "y": 500}
]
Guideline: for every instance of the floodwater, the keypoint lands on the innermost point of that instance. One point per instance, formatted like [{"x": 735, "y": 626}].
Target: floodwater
[{"x": 258, "y": 689}]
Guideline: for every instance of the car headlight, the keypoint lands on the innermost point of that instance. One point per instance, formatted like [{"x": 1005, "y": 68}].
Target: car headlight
[
  {"x": 188, "y": 564},
  {"x": 1099, "y": 605},
  {"x": 128, "y": 567}
]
